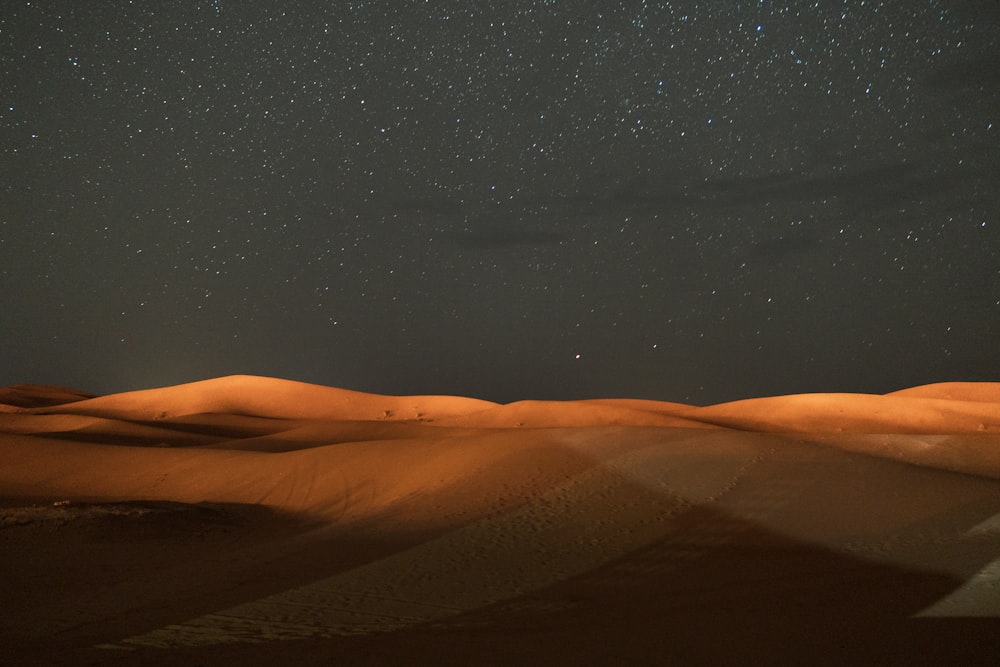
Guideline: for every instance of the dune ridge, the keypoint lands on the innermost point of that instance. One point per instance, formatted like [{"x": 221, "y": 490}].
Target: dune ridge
[
  {"x": 856, "y": 413},
  {"x": 955, "y": 407},
  {"x": 37, "y": 395},
  {"x": 266, "y": 397},
  {"x": 272, "y": 415},
  {"x": 988, "y": 392}
]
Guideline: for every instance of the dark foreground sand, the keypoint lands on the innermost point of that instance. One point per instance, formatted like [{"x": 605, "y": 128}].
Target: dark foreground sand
[{"x": 250, "y": 520}]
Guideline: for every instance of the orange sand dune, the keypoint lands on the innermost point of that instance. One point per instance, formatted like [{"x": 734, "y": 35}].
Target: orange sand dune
[
  {"x": 988, "y": 392},
  {"x": 857, "y": 413},
  {"x": 34, "y": 395},
  {"x": 269, "y": 397},
  {"x": 260, "y": 521},
  {"x": 548, "y": 414}
]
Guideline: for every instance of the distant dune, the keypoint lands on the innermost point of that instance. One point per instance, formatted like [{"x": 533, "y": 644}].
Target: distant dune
[
  {"x": 264, "y": 521},
  {"x": 34, "y": 396}
]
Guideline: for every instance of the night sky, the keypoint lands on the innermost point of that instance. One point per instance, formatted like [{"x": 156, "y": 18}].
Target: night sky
[{"x": 684, "y": 201}]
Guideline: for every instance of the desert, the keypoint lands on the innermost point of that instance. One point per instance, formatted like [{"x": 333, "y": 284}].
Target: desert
[{"x": 254, "y": 520}]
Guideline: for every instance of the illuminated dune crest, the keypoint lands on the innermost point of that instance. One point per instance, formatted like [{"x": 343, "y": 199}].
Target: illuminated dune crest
[
  {"x": 947, "y": 408},
  {"x": 269, "y": 397},
  {"x": 857, "y": 413}
]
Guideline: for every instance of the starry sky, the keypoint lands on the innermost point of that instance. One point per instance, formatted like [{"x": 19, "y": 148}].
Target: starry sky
[{"x": 684, "y": 201}]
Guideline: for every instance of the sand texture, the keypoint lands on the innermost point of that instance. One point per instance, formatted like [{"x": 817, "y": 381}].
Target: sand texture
[{"x": 249, "y": 520}]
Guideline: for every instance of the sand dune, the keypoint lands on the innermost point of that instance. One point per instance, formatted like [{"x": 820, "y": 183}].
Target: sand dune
[
  {"x": 987, "y": 392},
  {"x": 857, "y": 413},
  {"x": 266, "y": 521},
  {"x": 33, "y": 395},
  {"x": 269, "y": 397}
]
